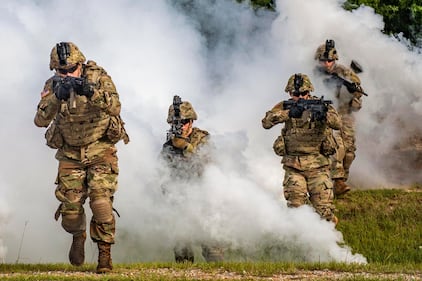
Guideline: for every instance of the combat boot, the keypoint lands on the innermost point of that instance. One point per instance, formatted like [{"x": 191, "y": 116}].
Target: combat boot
[
  {"x": 77, "y": 250},
  {"x": 104, "y": 257},
  {"x": 340, "y": 187},
  {"x": 184, "y": 254}
]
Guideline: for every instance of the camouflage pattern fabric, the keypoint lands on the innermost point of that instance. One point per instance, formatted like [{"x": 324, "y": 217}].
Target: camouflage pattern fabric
[
  {"x": 94, "y": 176},
  {"x": 86, "y": 170},
  {"x": 321, "y": 54},
  {"x": 347, "y": 104},
  {"x": 315, "y": 182},
  {"x": 306, "y": 85},
  {"x": 75, "y": 57},
  {"x": 306, "y": 172},
  {"x": 186, "y": 112}
]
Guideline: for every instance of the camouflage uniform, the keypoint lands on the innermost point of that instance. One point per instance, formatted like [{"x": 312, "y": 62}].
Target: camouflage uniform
[
  {"x": 305, "y": 145},
  {"x": 84, "y": 131},
  {"x": 349, "y": 101},
  {"x": 186, "y": 163}
]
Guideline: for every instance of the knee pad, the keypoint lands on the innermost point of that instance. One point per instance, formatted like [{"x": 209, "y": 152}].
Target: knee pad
[
  {"x": 102, "y": 210},
  {"x": 74, "y": 223},
  {"x": 348, "y": 159}
]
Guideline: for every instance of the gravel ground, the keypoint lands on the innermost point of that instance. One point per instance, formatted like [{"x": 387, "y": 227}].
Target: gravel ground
[{"x": 197, "y": 274}]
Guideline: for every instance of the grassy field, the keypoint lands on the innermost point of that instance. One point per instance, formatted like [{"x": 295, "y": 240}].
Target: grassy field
[{"x": 383, "y": 225}]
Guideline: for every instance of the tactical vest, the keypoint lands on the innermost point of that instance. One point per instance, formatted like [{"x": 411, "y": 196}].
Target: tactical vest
[
  {"x": 79, "y": 122},
  {"x": 303, "y": 137}
]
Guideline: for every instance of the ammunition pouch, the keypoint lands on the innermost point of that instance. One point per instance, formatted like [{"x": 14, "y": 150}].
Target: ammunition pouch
[
  {"x": 116, "y": 130},
  {"x": 53, "y": 136},
  {"x": 329, "y": 145},
  {"x": 279, "y": 147}
]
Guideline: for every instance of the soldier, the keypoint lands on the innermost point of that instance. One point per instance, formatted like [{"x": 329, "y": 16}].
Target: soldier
[
  {"x": 81, "y": 108},
  {"x": 185, "y": 154},
  {"x": 348, "y": 92},
  {"x": 305, "y": 144}
]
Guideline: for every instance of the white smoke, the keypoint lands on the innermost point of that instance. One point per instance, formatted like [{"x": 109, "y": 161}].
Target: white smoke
[
  {"x": 153, "y": 50},
  {"x": 4, "y": 218}
]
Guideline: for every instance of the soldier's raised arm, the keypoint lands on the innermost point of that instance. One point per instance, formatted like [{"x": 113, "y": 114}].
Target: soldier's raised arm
[
  {"x": 275, "y": 116},
  {"x": 333, "y": 118},
  {"x": 47, "y": 107}
]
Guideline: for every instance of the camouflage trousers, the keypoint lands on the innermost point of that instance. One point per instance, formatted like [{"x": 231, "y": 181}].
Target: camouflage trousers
[
  {"x": 96, "y": 180},
  {"x": 314, "y": 186},
  {"x": 345, "y": 150}
]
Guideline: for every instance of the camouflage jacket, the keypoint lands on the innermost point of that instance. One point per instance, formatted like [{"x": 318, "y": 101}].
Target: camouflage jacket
[
  {"x": 303, "y": 139},
  {"x": 75, "y": 132},
  {"x": 185, "y": 155},
  {"x": 347, "y": 102}
]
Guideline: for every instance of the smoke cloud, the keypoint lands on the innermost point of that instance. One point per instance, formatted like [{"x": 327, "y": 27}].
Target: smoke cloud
[{"x": 232, "y": 64}]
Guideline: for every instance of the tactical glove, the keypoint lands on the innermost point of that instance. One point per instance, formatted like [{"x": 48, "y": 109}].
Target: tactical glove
[
  {"x": 296, "y": 111},
  {"x": 180, "y": 143},
  {"x": 86, "y": 90},
  {"x": 320, "y": 116},
  {"x": 62, "y": 91}
]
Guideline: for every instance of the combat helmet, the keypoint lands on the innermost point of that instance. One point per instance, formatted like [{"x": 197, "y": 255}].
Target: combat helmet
[
  {"x": 326, "y": 51},
  {"x": 186, "y": 112},
  {"x": 299, "y": 83},
  {"x": 65, "y": 55}
]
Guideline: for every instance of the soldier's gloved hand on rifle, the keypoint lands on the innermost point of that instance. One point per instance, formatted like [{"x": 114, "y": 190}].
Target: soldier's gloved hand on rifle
[
  {"x": 87, "y": 90},
  {"x": 296, "y": 111},
  {"x": 352, "y": 87},
  {"x": 182, "y": 141},
  {"x": 320, "y": 115},
  {"x": 62, "y": 91}
]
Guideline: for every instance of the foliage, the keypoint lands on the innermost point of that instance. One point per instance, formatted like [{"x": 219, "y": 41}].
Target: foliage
[
  {"x": 400, "y": 16},
  {"x": 268, "y": 4}
]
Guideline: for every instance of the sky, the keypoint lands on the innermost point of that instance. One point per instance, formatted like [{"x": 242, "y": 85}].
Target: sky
[{"x": 154, "y": 50}]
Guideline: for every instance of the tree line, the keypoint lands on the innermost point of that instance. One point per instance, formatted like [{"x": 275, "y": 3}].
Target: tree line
[{"x": 400, "y": 16}]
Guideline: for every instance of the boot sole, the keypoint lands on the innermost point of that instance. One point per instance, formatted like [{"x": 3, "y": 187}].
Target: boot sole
[{"x": 103, "y": 270}]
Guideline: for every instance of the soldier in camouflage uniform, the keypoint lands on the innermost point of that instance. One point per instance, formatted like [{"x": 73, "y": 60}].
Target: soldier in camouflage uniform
[
  {"x": 305, "y": 144},
  {"x": 184, "y": 153},
  {"x": 348, "y": 101},
  {"x": 81, "y": 108}
]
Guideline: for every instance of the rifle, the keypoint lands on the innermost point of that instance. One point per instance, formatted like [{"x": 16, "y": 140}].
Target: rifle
[
  {"x": 176, "y": 123},
  {"x": 318, "y": 107},
  {"x": 351, "y": 86},
  {"x": 68, "y": 86}
]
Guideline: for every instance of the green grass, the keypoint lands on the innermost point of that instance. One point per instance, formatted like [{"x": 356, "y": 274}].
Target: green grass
[{"x": 383, "y": 225}]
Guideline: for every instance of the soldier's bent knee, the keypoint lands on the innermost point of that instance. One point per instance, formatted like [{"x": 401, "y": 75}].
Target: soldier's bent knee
[
  {"x": 102, "y": 210},
  {"x": 74, "y": 223}
]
